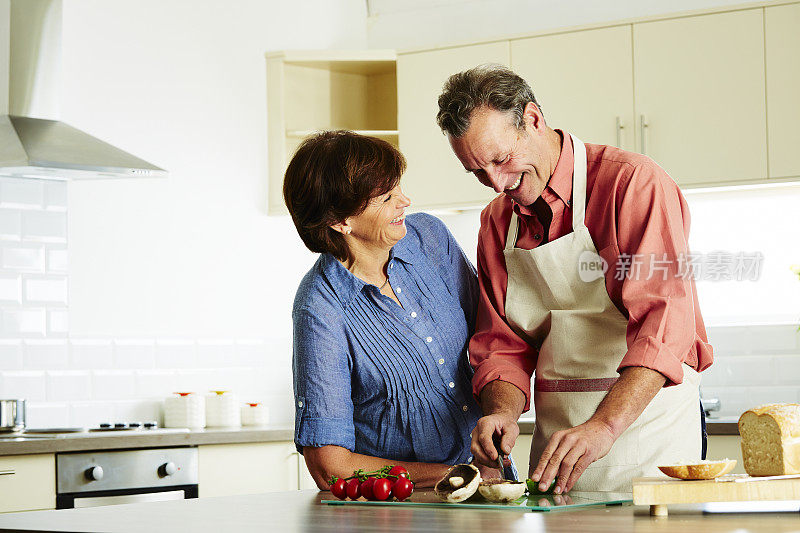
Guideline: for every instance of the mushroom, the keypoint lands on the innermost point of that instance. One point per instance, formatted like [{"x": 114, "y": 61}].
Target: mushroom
[
  {"x": 501, "y": 490},
  {"x": 459, "y": 483}
]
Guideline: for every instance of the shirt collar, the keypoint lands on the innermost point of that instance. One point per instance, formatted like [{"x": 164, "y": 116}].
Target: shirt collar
[
  {"x": 559, "y": 186},
  {"x": 403, "y": 250},
  {"x": 345, "y": 285}
]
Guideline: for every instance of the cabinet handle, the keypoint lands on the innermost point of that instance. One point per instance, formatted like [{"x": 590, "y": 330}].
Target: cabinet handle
[
  {"x": 620, "y": 127},
  {"x": 642, "y": 130},
  {"x": 7, "y": 472}
]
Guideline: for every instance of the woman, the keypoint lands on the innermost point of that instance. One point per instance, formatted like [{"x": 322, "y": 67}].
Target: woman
[{"x": 381, "y": 321}]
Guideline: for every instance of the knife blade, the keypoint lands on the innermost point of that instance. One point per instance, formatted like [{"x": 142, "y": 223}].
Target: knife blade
[{"x": 496, "y": 441}]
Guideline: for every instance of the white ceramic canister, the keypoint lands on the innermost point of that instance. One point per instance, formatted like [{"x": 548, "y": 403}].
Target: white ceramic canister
[
  {"x": 222, "y": 410},
  {"x": 185, "y": 410},
  {"x": 255, "y": 414}
]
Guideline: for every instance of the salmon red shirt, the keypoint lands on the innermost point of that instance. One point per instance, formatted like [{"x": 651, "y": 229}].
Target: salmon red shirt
[{"x": 639, "y": 222}]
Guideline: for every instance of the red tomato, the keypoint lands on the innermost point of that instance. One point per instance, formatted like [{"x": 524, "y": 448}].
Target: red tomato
[
  {"x": 339, "y": 489},
  {"x": 399, "y": 471},
  {"x": 366, "y": 488},
  {"x": 402, "y": 489},
  {"x": 382, "y": 489},
  {"x": 353, "y": 488}
]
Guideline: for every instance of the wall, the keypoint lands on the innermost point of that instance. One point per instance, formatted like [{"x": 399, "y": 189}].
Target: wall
[
  {"x": 445, "y": 22},
  {"x": 174, "y": 284}
]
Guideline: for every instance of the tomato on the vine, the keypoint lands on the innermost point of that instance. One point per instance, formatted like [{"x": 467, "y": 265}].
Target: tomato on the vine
[
  {"x": 367, "y": 488},
  {"x": 402, "y": 488},
  {"x": 382, "y": 489},
  {"x": 353, "y": 488},
  {"x": 339, "y": 488},
  {"x": 399, "y": 471}
]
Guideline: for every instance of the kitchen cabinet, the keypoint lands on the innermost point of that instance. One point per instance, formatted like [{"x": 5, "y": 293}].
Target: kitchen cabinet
[
  {"x": 309, "y": 91},
  {"x": 583, "y": 82},
  {"x": 252, "y": 468},
  {"x": 27, "y": 482},
  {"x": 521, "y": 453},
  {"x": 434, "y": 177},
  {"x": 700, "y": 96},
  {"x": 783, "y": 85},
  {"x": 726, "y": 447}
]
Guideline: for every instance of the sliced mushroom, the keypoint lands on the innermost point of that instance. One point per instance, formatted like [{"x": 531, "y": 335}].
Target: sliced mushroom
[
  {"x": 501, "y": 490},
  {"x": 467, "y": 477}
]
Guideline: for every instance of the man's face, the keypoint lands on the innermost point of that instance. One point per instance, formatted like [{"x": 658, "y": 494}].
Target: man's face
[{"x": 503, "y": 157}]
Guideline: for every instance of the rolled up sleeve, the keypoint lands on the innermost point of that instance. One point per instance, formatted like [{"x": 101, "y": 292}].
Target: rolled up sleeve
[
  {"x": 496, "y": 351},
  {"x": 653, "y": 229},
  {"x": 322, "y": 390}
]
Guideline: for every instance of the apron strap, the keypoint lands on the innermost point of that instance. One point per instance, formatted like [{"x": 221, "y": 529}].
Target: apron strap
[
  {"x": 513, "y": 230},
  {"x": 578, "y": 182}
]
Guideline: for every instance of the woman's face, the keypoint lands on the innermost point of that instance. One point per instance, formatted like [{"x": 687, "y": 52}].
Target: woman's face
[{"x": 383, "y": 222}]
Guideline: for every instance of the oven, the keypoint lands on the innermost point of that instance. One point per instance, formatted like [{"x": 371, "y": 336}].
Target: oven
[{"x": 91, "y": 479}]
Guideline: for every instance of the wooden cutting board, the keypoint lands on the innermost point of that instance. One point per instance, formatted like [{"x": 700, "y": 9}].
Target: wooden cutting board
[{"x": 658, "y": 492}]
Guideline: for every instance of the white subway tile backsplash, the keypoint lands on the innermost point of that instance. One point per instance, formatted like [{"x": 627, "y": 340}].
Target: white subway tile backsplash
[
  {"x": 44, "y": 226},
  {"x": 10, "y": 224},
  {"x": 10, "y": 288},
  {"x": 57, "y": 322},
  {"x": 57, "y": 260},
  {"x": 24, "y": 322},
  {"x": 10, "y": 354},
  {"x": 90, "y": 414},
  {"x": 156, "y": 384},
  {"x": 138, "y": 411},
  {"x": 45, "y": 354},
  {"x": 733, "y": 400},
  {"x": 26, "y": 385},
  {"x": 787, "y": 370},
  {"x": 46, "y": 415},
  {"x": 55, "y": 195},
  {"x": 69, "y": 385},
  {"x": 215, "y": 353},
  {"x": 753, "y": 371},
  {"x": 113, "y": 385},
  {"x": 21, "y": 193},
  {"x": 134, "y": 353},
  {"x": 51, "y": 290},
  {"x": 176, "y": 354},
  {"x": 91, "y": 354},
  {"x": 24, "y": 258},
  {"x": 764, "y": 395},
  {"x": 198, "y": 380},
  {"x": 251, "y": 352}
]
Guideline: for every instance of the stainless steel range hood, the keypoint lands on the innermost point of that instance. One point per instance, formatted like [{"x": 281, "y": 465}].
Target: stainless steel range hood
[{"x": 33, "y": 144}]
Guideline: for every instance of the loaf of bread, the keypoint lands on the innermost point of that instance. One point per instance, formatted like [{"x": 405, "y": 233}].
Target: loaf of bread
[{"x": 771, "y": 439}]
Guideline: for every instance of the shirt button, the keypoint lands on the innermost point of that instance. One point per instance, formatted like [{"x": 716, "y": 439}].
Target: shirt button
[
  {"x": 399, "y": 290},
  {"x": 299, "y": 404},
  {"x": 391, "y": 265},
  {"x": 451, "y": 385},
  {"x": 441, "y": 361},
  {"x": 413, "y": 314},
  {"x": 428, "y": 339},
  {"x": 537, "y": 236},
  {"x": 464, "y": 408}
]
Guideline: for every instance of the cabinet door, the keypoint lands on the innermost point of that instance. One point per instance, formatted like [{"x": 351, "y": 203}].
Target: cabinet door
[
  {"x": 583, "y": 82},
  {"x": 234, "y": 469},
  {"x": 27, "y": 482},
  {"x": 783, "y": 86},
  {"x": 434, "y": 177},
  {"x": 726, "y": 447},
  {"x": 699, "y": 85},
  {"x": 522, "y": 452}
]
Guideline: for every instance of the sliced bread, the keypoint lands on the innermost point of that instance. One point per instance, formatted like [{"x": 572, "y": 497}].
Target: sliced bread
[{"x": 699, "y": 469}]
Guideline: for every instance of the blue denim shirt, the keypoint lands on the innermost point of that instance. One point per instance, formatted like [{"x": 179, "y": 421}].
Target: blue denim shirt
[{"x": 384, "y": 380}]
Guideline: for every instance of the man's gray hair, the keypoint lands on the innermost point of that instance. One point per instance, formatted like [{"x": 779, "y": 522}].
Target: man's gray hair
[{"x": 488, "y": 85}]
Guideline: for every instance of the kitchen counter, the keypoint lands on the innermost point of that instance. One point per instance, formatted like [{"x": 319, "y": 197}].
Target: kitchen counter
[
  {"x": 300, "y": 511},
  {"x": 73, "y": 442}
]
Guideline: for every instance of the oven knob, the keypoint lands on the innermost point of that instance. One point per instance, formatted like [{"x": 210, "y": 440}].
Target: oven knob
[
  {"x": 94, "y": 473},
  {"x": 167, "y": 469}
]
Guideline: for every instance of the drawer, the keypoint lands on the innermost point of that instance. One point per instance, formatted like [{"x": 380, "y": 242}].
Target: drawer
[{"x": 32, "y": 485}]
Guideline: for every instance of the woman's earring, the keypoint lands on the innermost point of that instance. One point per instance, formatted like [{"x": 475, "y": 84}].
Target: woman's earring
[{"x": 347, "y": 231}]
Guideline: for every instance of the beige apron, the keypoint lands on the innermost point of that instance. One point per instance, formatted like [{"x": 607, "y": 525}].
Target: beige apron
[{"x": 566, "y": 312}]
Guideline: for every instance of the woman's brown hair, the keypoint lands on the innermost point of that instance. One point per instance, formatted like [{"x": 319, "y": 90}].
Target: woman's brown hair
[{"x": 333, "y": 175}]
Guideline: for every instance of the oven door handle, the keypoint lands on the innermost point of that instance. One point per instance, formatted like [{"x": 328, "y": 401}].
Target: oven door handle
[{"x": 97, "y": 501}]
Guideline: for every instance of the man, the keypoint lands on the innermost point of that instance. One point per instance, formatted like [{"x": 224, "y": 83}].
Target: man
[{"x": 616, "y": 351}]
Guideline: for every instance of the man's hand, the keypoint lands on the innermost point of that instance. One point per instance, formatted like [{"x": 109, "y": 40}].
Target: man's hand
[
  {"x": 502, "y": 404},
  {"x": 483, "y": 449},
  {"x": 570, "y": 452}
]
